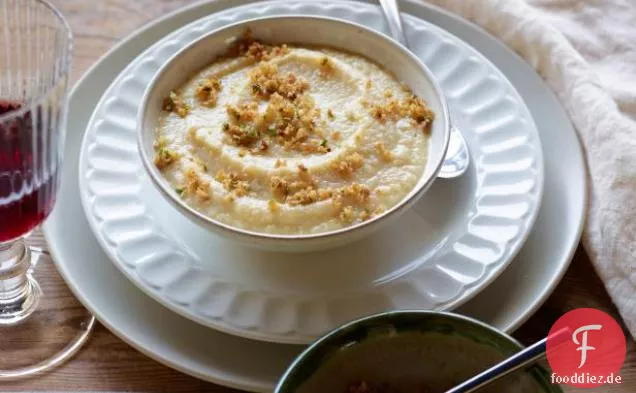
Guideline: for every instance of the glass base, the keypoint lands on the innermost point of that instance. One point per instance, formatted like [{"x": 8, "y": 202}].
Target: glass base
[{"x": 41, "y": 323}]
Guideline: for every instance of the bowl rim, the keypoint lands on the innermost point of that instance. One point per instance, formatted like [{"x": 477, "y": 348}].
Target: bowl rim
[
  {"x": 387, "y": 315},
  {"x": 412, "y": 196}
]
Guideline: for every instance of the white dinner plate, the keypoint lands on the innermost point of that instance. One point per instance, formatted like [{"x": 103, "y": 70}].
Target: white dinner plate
[
  {"x": 255, "y": 366},
  {"x": 452, "y": 244}
]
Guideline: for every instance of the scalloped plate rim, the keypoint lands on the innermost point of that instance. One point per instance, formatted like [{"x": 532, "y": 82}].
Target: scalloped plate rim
[
  {"x": 468, "y": 291},
  {"x": 241, "y": 377}
]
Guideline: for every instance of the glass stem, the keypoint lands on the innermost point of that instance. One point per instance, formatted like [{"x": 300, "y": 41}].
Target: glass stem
[{"x": 19, "y": 293}]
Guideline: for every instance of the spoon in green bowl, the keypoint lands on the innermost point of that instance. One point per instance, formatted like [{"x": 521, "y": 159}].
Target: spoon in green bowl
[{"x": 519, "y": 360}]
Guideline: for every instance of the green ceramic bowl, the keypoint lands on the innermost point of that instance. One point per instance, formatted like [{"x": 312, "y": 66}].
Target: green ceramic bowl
[{"x": 411, "y": 351}]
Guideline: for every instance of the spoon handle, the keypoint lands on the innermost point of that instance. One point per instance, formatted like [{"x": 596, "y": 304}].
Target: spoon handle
[
  {"x": 394, "y": 20},
  {"x": 519, "y": 360}
]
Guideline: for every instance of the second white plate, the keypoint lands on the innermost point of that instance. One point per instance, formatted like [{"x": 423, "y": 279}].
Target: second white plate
[
  {"x": 462, "y": 234},
  {"x": 256, "y": 366}
]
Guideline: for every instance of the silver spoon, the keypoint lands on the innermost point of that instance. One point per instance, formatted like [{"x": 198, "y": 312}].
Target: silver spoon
[
  {"x": 521, "y": 359},
  {"x": 457, "y": 158}
]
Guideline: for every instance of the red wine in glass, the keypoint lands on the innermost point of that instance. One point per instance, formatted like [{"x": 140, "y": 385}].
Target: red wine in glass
[
  {"x": 29, "y": 158},
  {"x": 35, "y": 58}
]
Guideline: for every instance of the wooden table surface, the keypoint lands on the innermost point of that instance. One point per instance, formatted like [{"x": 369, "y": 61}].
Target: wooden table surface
[{"x": 108, "y": 364}]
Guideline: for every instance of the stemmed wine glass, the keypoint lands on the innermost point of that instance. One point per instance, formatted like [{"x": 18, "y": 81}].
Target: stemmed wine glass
[{"x": 35, "y": 54}]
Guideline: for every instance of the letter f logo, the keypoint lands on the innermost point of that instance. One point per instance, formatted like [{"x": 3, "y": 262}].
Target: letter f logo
[{"x": 583, "y": 346}]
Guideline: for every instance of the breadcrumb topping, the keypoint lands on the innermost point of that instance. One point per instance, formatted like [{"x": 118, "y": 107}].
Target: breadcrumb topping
[
  {"x": 298, "y": 192},
  {"x": 254, "y": 50},
  {"x": 279, "y": 187},
  {"x": 246, "y": 112},
  {"x": 208, "y": 92},
  {"x": 293, "y": 124},
  {"x": 411, "y": 106},
  {"x": 164, "y": 158},
  {"x": 196, "y": 186},
  {"x": 347, "y": 214},
  {"x": 416, "y": 109},
  {"x": 233, "y": 183},
  {"x": 303, "y": 197},
  {"x": 174, "y": 103},
  {"x": 384, "y": 154},
  {"x": 347, "y": 165},
  {"x": 289, "y": 120},
  {"x": 241, "y": 129},
  {"x": 241, "y": 134},
  {"x": 261, "y": 148},
  {"x": 349, "y": 200},
  {"x": 266, "y": 80},
  {"x": 358, "y": 193}
]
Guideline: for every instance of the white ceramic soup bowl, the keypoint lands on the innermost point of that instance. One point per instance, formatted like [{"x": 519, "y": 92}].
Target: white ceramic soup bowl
[{"x": 315, "y": 31}]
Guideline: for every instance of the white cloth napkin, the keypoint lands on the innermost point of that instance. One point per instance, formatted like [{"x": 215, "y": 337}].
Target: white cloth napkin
[{"x": 586, "y": 51}]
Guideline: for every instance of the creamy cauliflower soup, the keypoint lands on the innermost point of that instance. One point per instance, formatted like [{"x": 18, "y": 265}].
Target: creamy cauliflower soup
[{"x": 292, "y": 139}]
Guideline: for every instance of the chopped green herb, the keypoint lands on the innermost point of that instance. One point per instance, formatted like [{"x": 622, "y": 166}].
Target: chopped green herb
[
  {"x": 256, "y": 88},
  {"x": 179, "y": 190},
  {"x": 249, "y": 130},
  {"x": 226, "y": 126},
  {"x": 323, "y": 143},
  {"x": 330, "y": 114},
  {"x": 271, "y": 130}
]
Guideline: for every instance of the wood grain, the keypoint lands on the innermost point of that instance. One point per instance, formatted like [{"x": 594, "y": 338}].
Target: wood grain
[{"x": 108, "y": 364}]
